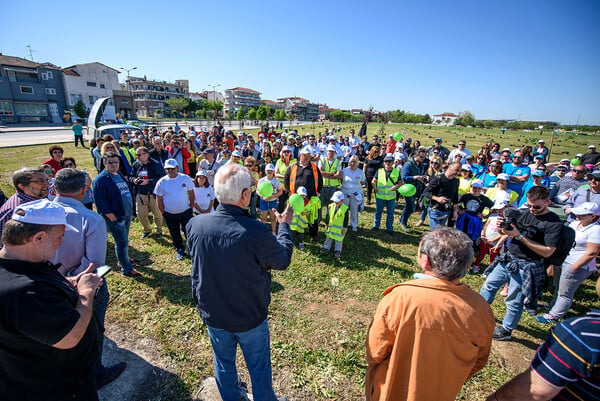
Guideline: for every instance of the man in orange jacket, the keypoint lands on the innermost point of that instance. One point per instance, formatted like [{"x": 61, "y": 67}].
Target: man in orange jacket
[{"x": 429, "y": 335}]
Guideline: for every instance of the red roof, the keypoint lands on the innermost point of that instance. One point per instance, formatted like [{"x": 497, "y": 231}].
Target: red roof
[
  {"x": 446, "y": 115},
  {"x": 17, "y": 62},
  {"x": 269, "y": 102},
  {"x": 240, "y": 89}
]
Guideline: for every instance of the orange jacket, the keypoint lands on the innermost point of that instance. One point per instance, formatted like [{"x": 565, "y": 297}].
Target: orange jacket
[{"x": 427, "y": 338}]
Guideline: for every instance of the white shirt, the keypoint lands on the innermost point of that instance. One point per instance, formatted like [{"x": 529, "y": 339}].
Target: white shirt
[
  {"x": 351, "y": 180},
  {"x": 275, "y": 182},
  {"x": 203, "y": 197},
  {"x": 175, "y": 192},
  {"x": 583, "y": 235}
]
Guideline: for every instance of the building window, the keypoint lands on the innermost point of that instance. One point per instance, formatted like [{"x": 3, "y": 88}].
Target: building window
[
  {"x": 5, "y": 108},
  {"x": 91, "y": 83},
  {"x": 74, "y": 99},
  {"x": 102, "y": 86},
  {"x": 50, "y": 91},
  {"x": 92, "y": 99},
  {"x": 12, "y": 76},
  {"x": 47, "y": 75},
  {"x": 31, "y": 109},
  {"x": 27, "y": 89}
]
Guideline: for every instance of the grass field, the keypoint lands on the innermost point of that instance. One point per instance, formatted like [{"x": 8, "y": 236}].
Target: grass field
[{"x": 321, "y": 308}]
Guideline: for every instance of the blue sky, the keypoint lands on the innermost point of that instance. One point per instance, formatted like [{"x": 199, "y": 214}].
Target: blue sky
[{"x": 537, "y": 60}]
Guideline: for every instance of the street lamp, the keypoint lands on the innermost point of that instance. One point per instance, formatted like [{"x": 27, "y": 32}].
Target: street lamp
[{"x": 129, "y": 86}]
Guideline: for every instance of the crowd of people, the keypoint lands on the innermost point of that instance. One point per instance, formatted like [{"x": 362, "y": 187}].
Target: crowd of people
[{"x": 208, "y": 188}]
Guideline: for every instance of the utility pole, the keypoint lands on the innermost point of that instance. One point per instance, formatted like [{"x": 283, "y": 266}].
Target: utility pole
[
  {"x": 215, "y": 96},
  {"x": 30, "y": 52}
]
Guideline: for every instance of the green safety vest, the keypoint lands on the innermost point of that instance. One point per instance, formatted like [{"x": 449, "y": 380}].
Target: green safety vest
[
  {"x": 383, "y": 185},
  {"x": 299, "y": 222},
  {"x": 330, "y": 182},
  {"x": 336, "y": 222},
  {"x": 281, "y": 168}
]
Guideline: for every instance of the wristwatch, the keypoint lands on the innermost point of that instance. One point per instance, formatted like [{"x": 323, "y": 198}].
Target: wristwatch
[{"x": 519, "y": 237}]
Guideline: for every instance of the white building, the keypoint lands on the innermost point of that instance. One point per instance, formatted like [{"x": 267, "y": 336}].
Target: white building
[
  {"x": 444, "y": 119},
  {"x": 236, "y": 98},
  {"x": 89, "y": 82}
]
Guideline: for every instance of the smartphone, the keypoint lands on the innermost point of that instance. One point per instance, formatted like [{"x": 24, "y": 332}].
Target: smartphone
[{"x": 103, "y": 270}]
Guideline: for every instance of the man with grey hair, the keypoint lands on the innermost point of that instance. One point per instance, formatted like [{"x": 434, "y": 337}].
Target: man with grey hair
[
  {"x": 431, "y": 321},
  {"x": 232, "y": 258},
  {"x": 31, "y": 184},
  {"x": 83, "y": 248}
]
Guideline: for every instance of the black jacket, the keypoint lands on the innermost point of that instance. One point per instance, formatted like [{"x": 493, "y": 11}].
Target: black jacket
[
  {"x": 155, "y": 172},
  {"x": 232, "y": 257}
]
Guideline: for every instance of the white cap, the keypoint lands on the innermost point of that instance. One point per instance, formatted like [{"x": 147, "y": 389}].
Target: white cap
[
  {"x": 331, "y": 148},
  {"x": 502, "y": 176},
  {"x": 236, "y": 153},
  {"x": 584, "y": 208},
  {"x": 399, "y": 156},
  {"x": 171, "y": 163},
  {"x": 477, "y": 184},
  {"x": 42, "y": 212},
  {"x": 466, "y": 167},
  {"x": 269, "y": 167},
  {"x": 337, "y": 196},
  {"x": 592, "y": 147},
  {"x": 200, "y": 173},
  {"x": 500, "y": 204},
  {"x": 301, "y": 191},
  {"x": 541, "y": 141},
  {"x": 305, "y": 151}
]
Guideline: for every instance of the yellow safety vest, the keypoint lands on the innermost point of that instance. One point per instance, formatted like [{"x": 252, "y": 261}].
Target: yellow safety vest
[
  {"x": 383, "y": 184},
  {"x": 335, "y": 227},
  {"x": 330, "y": 182},
  {"x": 299, "y": 221},
  {"x": 281, "y": 168}
]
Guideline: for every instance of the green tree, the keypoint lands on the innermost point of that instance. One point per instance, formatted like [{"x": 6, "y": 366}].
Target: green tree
[
  {"x": 240, "y": 114},
  {"x": 279, "y": 115},
  {"x": 201, "y": 113},
  {"x": 488, "y": 124},
  {"x": 251, "y": 113},
  {"x": 177, "y": 104},
  {"x": 261, "y": 113},
  {"x": 80, "y": 109}
]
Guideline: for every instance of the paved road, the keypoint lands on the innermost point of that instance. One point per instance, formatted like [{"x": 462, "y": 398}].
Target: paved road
[{"x": 35, "y": 137}]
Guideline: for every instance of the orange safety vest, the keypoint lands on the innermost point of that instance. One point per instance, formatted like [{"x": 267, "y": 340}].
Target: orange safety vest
[{"x": 293, "y": 177}]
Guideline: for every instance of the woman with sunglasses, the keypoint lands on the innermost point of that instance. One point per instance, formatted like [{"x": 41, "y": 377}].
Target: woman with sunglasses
[{"x": 283, "y": 163}]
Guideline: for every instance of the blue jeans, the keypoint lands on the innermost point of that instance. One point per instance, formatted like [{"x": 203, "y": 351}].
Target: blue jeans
[
  {"x": 437, "y": 218},
  {"x": 255, "y": 345},
  {"x": 409, "y": 208},
  {"x": 100, "y": 305},
  {"x": 120, "y": 233},
  {"x": 514, "y": 300},
  {"x": 390, "y": 206}
]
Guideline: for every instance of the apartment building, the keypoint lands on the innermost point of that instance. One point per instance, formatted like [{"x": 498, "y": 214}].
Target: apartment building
[
  {"x": 236, "y": 98},
  {"x": 149, "y": 95},
  {"x": 302, "y": 108}
]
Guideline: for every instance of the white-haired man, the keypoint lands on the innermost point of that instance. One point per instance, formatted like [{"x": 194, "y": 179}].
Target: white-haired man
[{"x": 232, "y": 257}]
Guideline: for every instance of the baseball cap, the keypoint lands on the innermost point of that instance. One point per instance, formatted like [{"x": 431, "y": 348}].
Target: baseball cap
[
  {"x": 502, "y": 176},
  {"x": 539, "y": 157},
  {"x": 337, "y": 196},
  {"x": 236, "y": 153},
  {"x": 466, "y": 167},
  {"x": 593, "y": 174},
  {"x": 586, "y": 208},
  {"x": 438, "y": 139},
  {"x": 477, "y": 183},
  {"x": 209, "y": 150},
  {"x": 171, "y": 163},
  {"x": 200, "y": 173},
  {"x": 331, "y": 148},
  {"x": 538, "y": 173},
  {"x": 286, "y": 149},
  {"x": 301, "y": 191},
  {"x": 592, "y": 147},
  {"x": 269, "y": 167},
  {"x": 388, "y": 158},
  {"x": 565, "y": 161},
  {"x": 541, "y": 141},
  {"x": 500, "y": 204},
  {"x": 562, "y": 167},
  {"x": 305, "y": 151},
  {"x": 580, "y": 154},
  {"x": 42, "y": 212}
]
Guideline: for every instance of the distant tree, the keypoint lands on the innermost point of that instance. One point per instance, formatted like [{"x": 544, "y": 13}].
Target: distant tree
[
  {"x": 251, "y": 113},
  {"x": 240, "y": 114},
  {"x": 201, "y": 113},
  {"x": 279, "y": 115},
  {"x": 177, "y": 104},
  {"x": 80, "y": 109},
  {"x": 465, "y": 118},
  {"x": 488, "y": 124},
  {"x": 229, "y": 115},
  {"x": 261, "y": 113}
]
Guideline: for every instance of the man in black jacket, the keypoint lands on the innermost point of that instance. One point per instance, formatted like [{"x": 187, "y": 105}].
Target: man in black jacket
[
  {"x": 146, "y": 171},
  {"x": 232, "y": 257},
  {"x": 442, "y": 194}
]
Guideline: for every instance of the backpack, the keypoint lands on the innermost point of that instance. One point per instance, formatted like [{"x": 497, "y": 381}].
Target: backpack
[{"x": 565, "y": 244}]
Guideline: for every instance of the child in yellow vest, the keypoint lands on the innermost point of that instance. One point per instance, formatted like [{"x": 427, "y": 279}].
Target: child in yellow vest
[
  {"x": 336, "y": 225},
  {"x": 300, "y": 220}
]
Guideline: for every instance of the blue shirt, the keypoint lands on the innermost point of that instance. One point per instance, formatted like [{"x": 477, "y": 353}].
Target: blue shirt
[
  {"x": 489, "y": 180},
  {"x": 516, "y": 171},
  {"x": 126, "y": 198}
]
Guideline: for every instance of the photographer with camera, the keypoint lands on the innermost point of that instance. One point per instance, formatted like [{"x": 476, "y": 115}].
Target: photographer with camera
[
  {"x": 535, "y": 235},
  {"x": 144, "y": 175}
]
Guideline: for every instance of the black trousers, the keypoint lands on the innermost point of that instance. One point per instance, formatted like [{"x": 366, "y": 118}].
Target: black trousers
[{"x": 176, "y": 222}]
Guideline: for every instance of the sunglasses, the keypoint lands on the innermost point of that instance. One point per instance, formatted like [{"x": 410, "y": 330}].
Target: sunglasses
[
  {"x": 112, "y": 162},
  {"x": 534, "y": 207},
  {"x": 49, "y": 171},
  {"x": 249, "y": 165},
  {"x": 140, "y": 154},
  {"x": 580, "y": 171}
]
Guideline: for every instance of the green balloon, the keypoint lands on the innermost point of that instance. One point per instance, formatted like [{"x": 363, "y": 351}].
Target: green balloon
[
  {"x": 407, "y": 190},
  {"x": 575, "y": 162},
  {"x": 265, "y": 189},
  {"x": 398, "y": 136},
  {"x": 297, "y": 203}
]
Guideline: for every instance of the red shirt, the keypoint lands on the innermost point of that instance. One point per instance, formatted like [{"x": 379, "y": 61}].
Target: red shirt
[{"x": 54, "y": 164}]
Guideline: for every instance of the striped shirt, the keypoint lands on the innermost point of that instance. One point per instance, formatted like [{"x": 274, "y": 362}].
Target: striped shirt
[
  {"x": 570, "y": 358},
  {"x": 6, "y": 211}
]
